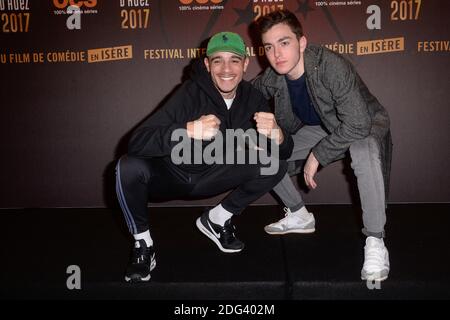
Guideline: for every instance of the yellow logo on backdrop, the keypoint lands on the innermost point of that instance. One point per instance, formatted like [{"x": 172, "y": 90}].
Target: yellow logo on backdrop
[
  {"x": 17, "y": 5},
  {"x": 92, "y": 55},
  {"x": 190, "y": 53},
  {"x": 405, "y": 10},
  {"x": 265, "y": 7},
  {"x": 135, "y": 14},
  {"x": 110, "y": 54},
  {"x": 433, "y": 46},
  {"x": 380, "y": 46},
  {"x": 18, "y": 19}
]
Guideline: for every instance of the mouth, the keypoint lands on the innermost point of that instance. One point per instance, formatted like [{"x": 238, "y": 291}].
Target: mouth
[{"x": 226, "y": 78}]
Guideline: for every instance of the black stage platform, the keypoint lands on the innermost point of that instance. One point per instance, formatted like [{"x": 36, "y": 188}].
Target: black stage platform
[{"x": 37, "y": 246}]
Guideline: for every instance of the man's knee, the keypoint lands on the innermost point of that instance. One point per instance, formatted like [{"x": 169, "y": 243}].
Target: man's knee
[
  {"x": 276, "y": 167},
  {"x": 364, "y": 151},
  {"x": 130, "y": 169},
  {"x": 275, "y": 172},
  {"x": 272, "y": 171}
]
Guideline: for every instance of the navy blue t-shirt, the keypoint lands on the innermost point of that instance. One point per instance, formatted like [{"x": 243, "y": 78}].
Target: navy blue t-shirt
[{"x": 301, "y": 103}]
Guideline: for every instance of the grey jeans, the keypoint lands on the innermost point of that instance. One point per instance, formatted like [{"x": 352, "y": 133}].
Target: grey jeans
[{"x": 366, "y": 165}]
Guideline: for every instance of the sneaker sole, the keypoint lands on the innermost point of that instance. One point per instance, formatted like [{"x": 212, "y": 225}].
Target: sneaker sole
[
  {"x": 291, "y": 231},
  {"x": 135, "y": 280},
  {"x": 147, "y": 278},
  {"x": 374, "y": 279},
  {"x": 207, "y": 233},
  {"x": 368, "y": 277}
]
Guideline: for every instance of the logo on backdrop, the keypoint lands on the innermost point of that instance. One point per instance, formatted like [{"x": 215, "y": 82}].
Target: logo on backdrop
[
  {"x": 369, "y": 47},
  {"x": 73, "y": 281},
  {"x": 373, "y": 22},
  {"x": 74, "y": 10},
  {"x": 200, "y": 5},
  {"x": 135, "y": 14},
  {"x": 15, "y": 16},
  {"x": 256, "y": 9},
  {"x": 401, "y": 11},
  {"x": 110, "y": 54},
  {"x": 90, "y": 56},
  {"x": 433, "y": 46}
]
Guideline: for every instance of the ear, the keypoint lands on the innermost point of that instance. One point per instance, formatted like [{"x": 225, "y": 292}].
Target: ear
[
  {"x": 246, "y": 62},
  {"x": 303, "y": 43},
  {"x": 206, "y": 62}
]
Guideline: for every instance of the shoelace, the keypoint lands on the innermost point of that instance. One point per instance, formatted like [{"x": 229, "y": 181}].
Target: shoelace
[
  {"x": 374, "y": 257},
  {"x": 228, "y": 231},
  {"x": 287, "y": 211},
  {"x": 288, "y": 214},
  {"x": 284, "y": 220},
  {"x": 140, "y": 255}
]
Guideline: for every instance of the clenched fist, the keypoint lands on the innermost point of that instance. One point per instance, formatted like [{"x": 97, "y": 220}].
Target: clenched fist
[
  {"x": 204, "y": 128},
  {"x": 267, "y": 125}
]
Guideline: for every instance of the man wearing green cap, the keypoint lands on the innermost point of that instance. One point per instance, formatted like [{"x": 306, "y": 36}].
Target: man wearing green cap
[{"x": 214, "y": 102}]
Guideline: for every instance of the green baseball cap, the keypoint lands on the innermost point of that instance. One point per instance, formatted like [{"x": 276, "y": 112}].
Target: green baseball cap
[{"x": 227, "y": 42}]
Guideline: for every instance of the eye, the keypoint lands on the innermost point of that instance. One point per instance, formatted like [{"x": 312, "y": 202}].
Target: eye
[
  {"x": 284, "y": 43},
  {"x": 267, "y": 48}
]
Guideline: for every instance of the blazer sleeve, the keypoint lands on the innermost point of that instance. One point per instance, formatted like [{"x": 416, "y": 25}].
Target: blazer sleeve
[{"x": 350, "y": 107}]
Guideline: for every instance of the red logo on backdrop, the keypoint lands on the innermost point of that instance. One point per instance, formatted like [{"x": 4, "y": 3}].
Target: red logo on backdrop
[
  {"x": 61, "y": 4},
  {"x": 73, "y": 10}
]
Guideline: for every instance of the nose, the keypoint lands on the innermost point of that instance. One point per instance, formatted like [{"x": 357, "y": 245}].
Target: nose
[
  {"x": 276, "y": 52},
  {"x": 227, "y": 66}
]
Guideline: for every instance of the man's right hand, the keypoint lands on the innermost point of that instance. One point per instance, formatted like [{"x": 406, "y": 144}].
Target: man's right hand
[{"x": 204, "y": 128}]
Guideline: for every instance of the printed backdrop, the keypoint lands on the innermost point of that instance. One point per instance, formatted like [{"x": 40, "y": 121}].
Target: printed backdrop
[{"x": 78, "y": 76}]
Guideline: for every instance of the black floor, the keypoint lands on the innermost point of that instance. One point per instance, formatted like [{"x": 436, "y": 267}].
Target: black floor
[{"x": 37, "y": 246}]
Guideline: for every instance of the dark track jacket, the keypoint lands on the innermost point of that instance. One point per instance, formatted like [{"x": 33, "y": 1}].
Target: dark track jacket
[{"x": 196, "y": 97}]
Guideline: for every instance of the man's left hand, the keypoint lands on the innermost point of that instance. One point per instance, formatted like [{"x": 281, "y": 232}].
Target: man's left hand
[
  {"x": 267, "y": 125},
  {"x": 310, "y": 170}
]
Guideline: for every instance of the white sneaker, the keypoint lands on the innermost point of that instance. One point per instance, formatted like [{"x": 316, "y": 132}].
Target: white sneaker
[
  {"x": 376, "y": 260},
  {"x": 292, "y": 223}
]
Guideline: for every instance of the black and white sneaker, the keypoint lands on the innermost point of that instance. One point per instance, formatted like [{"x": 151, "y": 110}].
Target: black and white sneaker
[
  {"x": 142, "y": 262},
  {"x": 223, "y": 237}
]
